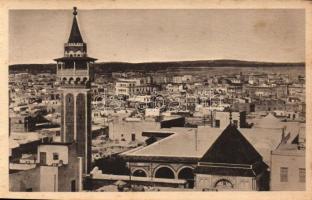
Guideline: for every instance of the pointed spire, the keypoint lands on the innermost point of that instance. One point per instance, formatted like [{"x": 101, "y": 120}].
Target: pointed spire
[{"x": 75, "y": 36}]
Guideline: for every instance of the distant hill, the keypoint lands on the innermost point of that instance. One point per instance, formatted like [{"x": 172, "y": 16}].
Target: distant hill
[
  {"x": 108, "y": 67},
  {"x": 32, "y": 68}
]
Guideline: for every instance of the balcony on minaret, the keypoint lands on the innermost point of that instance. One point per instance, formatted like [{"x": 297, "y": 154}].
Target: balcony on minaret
[
  {"x": 74, "y": 68},
  {"x": 74, "y": 71}
]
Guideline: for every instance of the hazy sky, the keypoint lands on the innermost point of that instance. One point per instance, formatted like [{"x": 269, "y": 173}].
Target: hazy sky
[{"x": 38, "y": 36}]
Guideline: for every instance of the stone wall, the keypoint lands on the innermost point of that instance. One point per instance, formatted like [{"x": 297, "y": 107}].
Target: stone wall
[{"x": 220, "y": 183}]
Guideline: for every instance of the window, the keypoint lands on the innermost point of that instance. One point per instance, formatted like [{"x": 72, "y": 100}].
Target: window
[
  {"x": 73, "y": 185},
  {"x": 55, "y": 156},
  {"x": 284, "y": 174},
  {"x": 217, "y": 123},
  {"x": 43, "y": 156},
  {"x": 302, "y": 175}
]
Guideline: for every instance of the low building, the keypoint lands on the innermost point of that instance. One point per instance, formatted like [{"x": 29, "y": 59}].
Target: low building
[
  {"x": 124, "y": 130},
  {"x": 134, "y": 86},
  {"x": 222, "y": 119},
  {"x": 124, "y": 87},
  {"x": 288, "y": 172},
  {"x": 152, "y": 112},
  {"x": 171, "y": 158},
  {"x": 269, "y": 105},
  {"x": 241, "y": 107},
  {"x": 231, "y": 163},
  {"x": 58, "y": 169},
  {"x": 24, "y": 143},
  {"x": 22, "y": 123}
]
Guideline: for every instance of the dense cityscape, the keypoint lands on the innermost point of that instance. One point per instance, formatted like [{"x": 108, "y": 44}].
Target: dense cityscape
[{"x": 197, "y": 128}]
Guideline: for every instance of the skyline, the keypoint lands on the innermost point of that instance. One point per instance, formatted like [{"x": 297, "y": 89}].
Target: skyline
[{"x": 161, "y": 35}]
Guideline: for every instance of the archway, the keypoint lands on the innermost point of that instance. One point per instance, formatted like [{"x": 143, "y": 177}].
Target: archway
[
  {"x": 187, "y": 174},
  {"x": 139, "y": 173},
  {"x": 224, "y": 184},
  {"x": 164, "y": 172}
]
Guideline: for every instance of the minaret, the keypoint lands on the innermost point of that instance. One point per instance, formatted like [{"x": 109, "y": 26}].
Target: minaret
[{"x": 74, "y": 74}]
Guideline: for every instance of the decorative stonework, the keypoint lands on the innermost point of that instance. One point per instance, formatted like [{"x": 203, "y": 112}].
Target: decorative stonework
[{"x": 214, "y": 182}]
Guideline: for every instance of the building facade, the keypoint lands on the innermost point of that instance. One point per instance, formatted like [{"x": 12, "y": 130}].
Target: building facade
[
  {"x": 231, "y": 163},
  {"x": 288, "y": 172}
]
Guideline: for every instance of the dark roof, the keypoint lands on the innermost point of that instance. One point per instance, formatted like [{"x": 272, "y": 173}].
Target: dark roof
[
  {"x": 231, "y": 170},
  {"x": 75, "y": 36},
  {"x": 75, "y": 59},
  {"x": 231, "y": 147},
  {"x": 260, "y": 167},
  {"x": 57, "y": 143},
  {"x": 296, "y": 140},
  {"x": 156, "y": 134},
  {"x": 225, "y": 171}
]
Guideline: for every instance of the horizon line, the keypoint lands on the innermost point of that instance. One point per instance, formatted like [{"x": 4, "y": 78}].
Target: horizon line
[{"x": 172, "y": 61}]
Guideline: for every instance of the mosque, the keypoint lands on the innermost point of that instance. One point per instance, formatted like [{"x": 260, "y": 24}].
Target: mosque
[{"x": 203, "y": 158}]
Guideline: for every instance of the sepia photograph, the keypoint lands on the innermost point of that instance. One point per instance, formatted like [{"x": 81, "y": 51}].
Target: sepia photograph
[{"x": 156, "y": 100}]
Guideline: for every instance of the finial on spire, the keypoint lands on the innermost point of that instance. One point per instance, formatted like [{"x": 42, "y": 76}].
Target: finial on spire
[
  {"x": 230, "y": 116},
  {"x": 75, "y": 11}
]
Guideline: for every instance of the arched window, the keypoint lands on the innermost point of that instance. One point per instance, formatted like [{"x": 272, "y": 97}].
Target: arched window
[
  {"x": 187, "y": 174},
  {"x": 71, "y": 79},
  {"x": 139, "y": 173},
  {"x": 164, "y": 172},
  {"x": 224, "y": 184}
]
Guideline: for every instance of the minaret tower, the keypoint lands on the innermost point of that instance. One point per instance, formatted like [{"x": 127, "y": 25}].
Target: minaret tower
[{"x": 75, "y": 76}]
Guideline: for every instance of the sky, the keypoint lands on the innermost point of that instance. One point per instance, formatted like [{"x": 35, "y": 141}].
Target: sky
[{"x": 123, "y": 35}]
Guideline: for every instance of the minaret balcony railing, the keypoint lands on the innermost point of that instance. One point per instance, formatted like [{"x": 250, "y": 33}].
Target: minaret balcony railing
[
  {"x": 73, "y": 72},
  {"x": 73, "y": 44}
]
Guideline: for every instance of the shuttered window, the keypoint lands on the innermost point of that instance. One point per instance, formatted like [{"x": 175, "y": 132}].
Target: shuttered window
[
  {"x": 302, "y": 175},
  {"x": 284, "y": 174}
]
